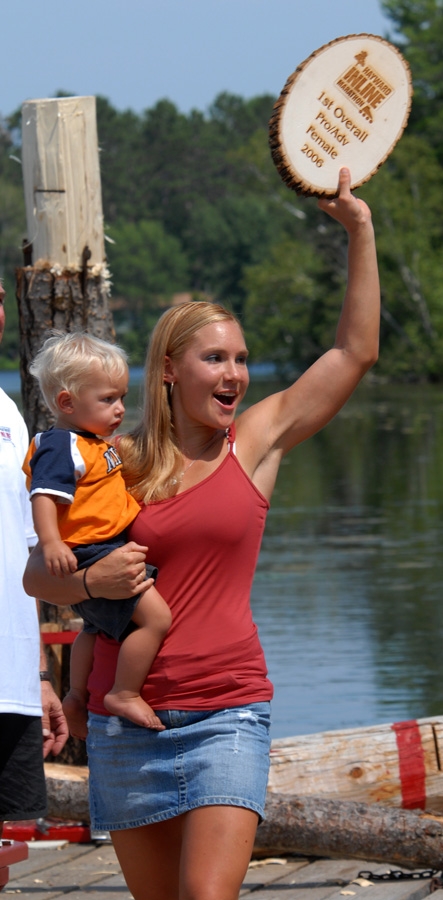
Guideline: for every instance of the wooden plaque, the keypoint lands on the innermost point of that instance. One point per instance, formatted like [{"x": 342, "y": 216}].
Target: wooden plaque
[{"x": 346, "y": 105}]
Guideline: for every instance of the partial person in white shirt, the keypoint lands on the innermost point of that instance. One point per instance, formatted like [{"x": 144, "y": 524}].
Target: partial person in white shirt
[{"x": 32, "y": 723}]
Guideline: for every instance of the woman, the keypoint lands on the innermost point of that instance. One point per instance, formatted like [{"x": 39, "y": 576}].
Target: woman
[{"x": 183, "y": 804}]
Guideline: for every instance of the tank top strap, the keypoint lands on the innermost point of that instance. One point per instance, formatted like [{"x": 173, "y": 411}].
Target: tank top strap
[{"x": 230, "y": 434}]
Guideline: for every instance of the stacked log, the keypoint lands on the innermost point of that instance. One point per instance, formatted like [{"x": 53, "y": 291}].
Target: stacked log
[{"x": 367, "y": 824}]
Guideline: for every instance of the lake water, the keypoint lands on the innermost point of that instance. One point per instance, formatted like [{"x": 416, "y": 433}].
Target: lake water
[{"x": 348, "y": 591}]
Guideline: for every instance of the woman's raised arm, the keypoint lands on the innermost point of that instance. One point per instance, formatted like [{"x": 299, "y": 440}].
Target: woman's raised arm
[
  {"x": 268, "y": 430},
  {"x": 121, "y": 574}
]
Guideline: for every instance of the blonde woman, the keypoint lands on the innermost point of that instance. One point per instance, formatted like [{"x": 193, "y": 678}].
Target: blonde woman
[{"x": 184, "y": 812}]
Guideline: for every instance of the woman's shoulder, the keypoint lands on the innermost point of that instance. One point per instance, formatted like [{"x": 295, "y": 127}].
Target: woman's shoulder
[{"x": 117, "y": 439}]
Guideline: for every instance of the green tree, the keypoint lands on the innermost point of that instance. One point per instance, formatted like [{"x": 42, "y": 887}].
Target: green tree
[
  {"x": 406, "y": 198},
  {"x": 12, "y": 233},
  {"x": 239, "y": 119},
  {"x": 287, "y": 317},
  {"x": 222, "y": 239},
  {"x": 147, "y": 267},
  {"x": 119, "y": 136},
  {"x": 194, "y": 204},
  {"x": 419, "y": 31}
]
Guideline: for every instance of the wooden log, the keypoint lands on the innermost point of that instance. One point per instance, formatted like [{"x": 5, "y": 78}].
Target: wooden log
[
  {"x": 65, "y": 282},
  {"x": 61, "y": 176},
  {"x": 67, "y": 300},
  {"x": 313, "y": 826},
  {"x": 359, "y": 79},
  {"x": 310, "y": 826},
  {"x": 67, "y": 791},
  {"x": 396, "y": 764}
]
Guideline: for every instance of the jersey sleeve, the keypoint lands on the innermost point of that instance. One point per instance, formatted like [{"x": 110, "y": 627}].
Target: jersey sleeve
[{"x": 55, "y": 465}]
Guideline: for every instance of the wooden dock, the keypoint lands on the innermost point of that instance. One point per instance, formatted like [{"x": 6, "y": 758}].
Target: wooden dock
[{"x": 91, "y": 872}]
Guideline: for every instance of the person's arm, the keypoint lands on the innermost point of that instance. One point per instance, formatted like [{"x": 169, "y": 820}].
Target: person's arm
[
  {"x": 120, "y": 574},
  {"x": 268, "y": 430},
  {"x": 59, "y": 558},
  {"x": 54, "y": 725}
]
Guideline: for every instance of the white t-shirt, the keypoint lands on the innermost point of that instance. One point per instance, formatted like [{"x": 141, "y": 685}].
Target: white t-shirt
[{"x": 19, "y": 628}]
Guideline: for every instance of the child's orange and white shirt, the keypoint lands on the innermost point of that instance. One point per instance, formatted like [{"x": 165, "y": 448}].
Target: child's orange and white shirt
[{"x": 82, "y": 472}]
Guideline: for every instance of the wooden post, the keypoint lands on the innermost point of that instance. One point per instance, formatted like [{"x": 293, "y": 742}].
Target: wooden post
[{"x": 65, "y": 281}]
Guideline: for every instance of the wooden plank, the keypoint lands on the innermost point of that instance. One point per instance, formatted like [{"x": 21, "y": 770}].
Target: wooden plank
[
  {"x": 11, "y": 852},
  {"x": 54, "y": 655},
  {"x": 259, "y": 876},
  {"x": 61, "y": 177},
  {"x": 58, "y": 637},
  {"x": 39, "y": 859},
  {"x": 396, "y": 764},
  {"x": 318, "y": 881},
  {"x": 74, "y": 873},
  {"x": 333, "y": 880},
  {"x": 81, "y": 870}
]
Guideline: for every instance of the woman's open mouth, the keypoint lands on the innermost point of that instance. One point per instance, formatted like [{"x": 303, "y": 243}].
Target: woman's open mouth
[{"x": 227, "y": 400}]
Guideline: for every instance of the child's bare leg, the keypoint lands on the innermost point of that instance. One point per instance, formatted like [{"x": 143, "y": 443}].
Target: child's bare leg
[
  {"x": 75, "y": 702},
  {"x": 137, "y": 653}
]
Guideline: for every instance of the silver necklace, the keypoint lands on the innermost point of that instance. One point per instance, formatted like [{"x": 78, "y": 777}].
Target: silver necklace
[{"x": 215, "y": 437}]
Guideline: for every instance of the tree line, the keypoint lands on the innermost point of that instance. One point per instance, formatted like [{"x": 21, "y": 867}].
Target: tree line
[{"x": 194, "y": 206}]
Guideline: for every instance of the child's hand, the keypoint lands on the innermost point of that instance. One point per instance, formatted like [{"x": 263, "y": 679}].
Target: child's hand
[{"x": 59, "y": 559}]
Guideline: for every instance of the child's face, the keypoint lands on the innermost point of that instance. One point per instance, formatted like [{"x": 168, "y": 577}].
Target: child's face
[{"x": 99, "y": 407}]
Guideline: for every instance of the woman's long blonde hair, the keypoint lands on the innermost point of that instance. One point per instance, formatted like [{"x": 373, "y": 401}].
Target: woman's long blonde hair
[{"x": 150, "y": 454}]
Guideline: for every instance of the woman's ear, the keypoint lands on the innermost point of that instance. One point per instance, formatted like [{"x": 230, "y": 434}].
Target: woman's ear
[
  {"x": 64, "y": 402},
  {"x": 168, "y": 375}
]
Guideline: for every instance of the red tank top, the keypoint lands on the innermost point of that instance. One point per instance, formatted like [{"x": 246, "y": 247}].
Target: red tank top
[{"x": 205, "y": 543}]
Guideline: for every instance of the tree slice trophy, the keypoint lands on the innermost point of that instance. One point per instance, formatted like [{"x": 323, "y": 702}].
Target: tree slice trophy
[{"x": 346, "y": 105}]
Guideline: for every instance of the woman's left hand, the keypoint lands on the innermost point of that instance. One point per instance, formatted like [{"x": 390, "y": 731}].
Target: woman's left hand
[{"x": 350, "y": 211}]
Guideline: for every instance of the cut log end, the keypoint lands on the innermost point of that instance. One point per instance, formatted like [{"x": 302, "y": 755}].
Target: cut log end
[{"x": 347, "y": 104}]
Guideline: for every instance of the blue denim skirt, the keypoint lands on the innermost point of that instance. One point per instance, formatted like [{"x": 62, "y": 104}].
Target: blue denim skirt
[{"x": 209, "y": 758}]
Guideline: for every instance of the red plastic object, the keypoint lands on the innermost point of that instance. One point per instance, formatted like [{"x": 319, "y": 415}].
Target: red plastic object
[
  {"x": 58, "y": 637},
  {"x": 48, "y": 830},
  {"x": 10, "y": 852}
]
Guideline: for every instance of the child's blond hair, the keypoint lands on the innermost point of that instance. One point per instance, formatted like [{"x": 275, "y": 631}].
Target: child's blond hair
[{"x": 66, "y": 362}]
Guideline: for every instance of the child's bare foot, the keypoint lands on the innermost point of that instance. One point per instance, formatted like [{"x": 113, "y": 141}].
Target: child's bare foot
[
  {"x": 75, "y": 710},
  {"x": 131, "y": 706}
]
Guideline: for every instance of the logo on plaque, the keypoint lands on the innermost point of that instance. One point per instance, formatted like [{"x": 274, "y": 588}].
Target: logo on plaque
[{"x": 346, "y": 105}]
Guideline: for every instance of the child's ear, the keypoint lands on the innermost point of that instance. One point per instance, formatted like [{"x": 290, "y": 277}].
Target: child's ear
[{"x": 64, "y": 402}]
